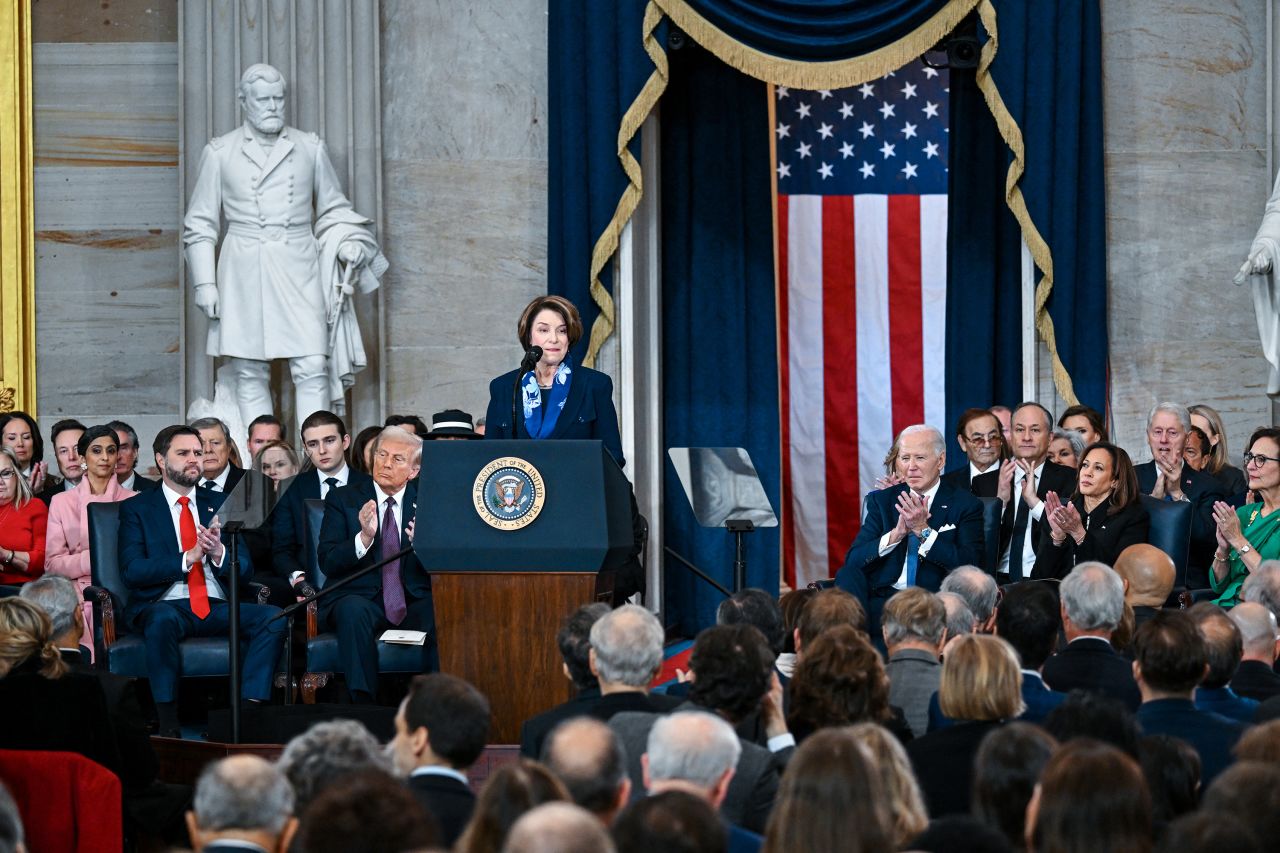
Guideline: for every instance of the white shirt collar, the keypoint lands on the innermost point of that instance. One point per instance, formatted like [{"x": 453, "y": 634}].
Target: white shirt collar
[
  {"x": 340, "y": 475},
  {"x": 128, "y": 484},
  {"x": 437, "y": 770},
  {"x": 930, "y": 492},
  {"x": 221, "y": 479},
  {"x": 382, "y": 496},
  {"x": 975, "y": 471},
  {"x": 171, "y": 497}
]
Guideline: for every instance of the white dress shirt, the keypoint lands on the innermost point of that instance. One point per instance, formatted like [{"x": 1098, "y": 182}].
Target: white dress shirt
[
  {"x": 397, "y": 509},
  {"x": 1033, "y": 516},
  {"x": 929, "y": 494},
  {"x": 341, "y": 475},
  {"x": 128, "y": 484},
  {"x": 220, "y": 480},
  {"x": 437, "y": 770},
  {"x": 975, "y": 471},
  {"x": 180, "y": 589}
]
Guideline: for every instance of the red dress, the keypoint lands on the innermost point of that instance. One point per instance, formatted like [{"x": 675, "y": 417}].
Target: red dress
[{"x": 22, "y": 529}]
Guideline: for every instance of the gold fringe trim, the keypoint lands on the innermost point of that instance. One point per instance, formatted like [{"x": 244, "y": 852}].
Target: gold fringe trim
[
  {"x": 1040, "y": 252},
  {"x": 607, "y": 243},
  {"x": 817, "y": 75}
]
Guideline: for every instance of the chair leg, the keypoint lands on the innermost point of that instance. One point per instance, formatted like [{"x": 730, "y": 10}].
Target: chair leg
[{"x": 311, "y": 682}]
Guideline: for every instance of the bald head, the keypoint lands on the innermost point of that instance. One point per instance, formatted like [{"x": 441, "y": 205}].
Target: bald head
[
  {"x": 588, "y": 757},
  {"x": 558, "y": 828},
  {"x": 1258, "y": 630},
  {"x": 1150, "y": 573}
]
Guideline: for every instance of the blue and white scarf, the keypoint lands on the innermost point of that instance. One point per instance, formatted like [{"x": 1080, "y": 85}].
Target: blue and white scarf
[{"x": 540, "y": 421}]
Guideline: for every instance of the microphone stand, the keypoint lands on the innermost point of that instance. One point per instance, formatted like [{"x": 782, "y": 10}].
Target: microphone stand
[
  {"x": 232, "y": 530},
  {"x": 527, "y": 363}
]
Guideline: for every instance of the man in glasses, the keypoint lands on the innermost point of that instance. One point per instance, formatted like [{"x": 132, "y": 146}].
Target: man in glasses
[
  {"x": 978, "y": 434},
  {"x": 1168, "y": 478}
]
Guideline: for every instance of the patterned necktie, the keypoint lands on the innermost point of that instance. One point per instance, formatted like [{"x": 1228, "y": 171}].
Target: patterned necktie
[
  {"x": 195, "y": 579},
  {"x": 392, "y": 587}
]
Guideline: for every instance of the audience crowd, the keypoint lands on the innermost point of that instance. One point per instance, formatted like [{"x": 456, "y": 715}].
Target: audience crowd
[{"x": 1057, "y": 682}]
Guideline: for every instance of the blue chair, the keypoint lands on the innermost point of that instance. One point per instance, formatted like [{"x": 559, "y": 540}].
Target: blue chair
[
  {"x": 121, "y": 651},
  {"x": 992, "y": 510},
  {"x": 1171, "y": 532},
  {"x": 322, "y": 649}
]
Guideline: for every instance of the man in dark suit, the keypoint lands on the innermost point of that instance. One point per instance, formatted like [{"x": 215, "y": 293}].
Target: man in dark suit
[
  {"x": 441, "y": 729},
  {"x": 1169, "y": 478},
  {"x": 219, "y": 474},
  {"x": 1169, "y": 661},
  {"x": 363, "y": 525},
  {"x": 1224, "y": 647},
  {"x": 1256, "y": 677},
  {"x": 914, "y": 629},
  {"x": 1092, "y": 599},
  {"x": 1148, "y": 574},
  {"x": 914, "y": 532},
  {"x": 588, "y": 757},
  {"x": 127, "y": 458},
  {"x": 325, "y": 441},
  {"x": 243, "y": 804},
  {"x": 65, "y": 436},
  {"x": 978, "y": 434},
  {"x": 1022, "y": 483},
  {"x": 175, "y": 565},
  {"x": 1028, "y": 619}
]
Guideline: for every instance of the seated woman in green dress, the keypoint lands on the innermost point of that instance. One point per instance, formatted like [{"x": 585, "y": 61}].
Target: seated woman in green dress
[{"x": 1250, "y": 534}]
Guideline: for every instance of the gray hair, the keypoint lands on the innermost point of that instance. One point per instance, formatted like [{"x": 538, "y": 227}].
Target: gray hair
[
  {"x": 1093, "y": 596},
  {"x": 1184, "y": 416},
  {"x": 960, "y": 619},
  {"x": 328, "y": 752},
  {"x": 121, "y": 426},
  {"x": 1075, "y": 439},
  {"x": 56, "y": 596},
  {"x": 939, "y": 443},
  {"x": 1263, "y": 586},
  {"x": 976, "y": 587},
  {"x": 628, "y": 645},
  {"x": 210, "y": 423},
  {"x": 558, "y": 827},
  {"x": 259, "y": 71},
  {"x": 398, "y": 433},
  {"x": 1257, "y": 625},
  {"x": 913, "y": 613},
  {"x": 242, "y": 792},
  {"x": 692, "y": 746}
]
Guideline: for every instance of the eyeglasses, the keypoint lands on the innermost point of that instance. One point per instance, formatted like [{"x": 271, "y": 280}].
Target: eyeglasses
[
  {"x": 984, "y": 440},
  {"x": 1250, "y": 458},
  {"x": 7, "y": 474}
]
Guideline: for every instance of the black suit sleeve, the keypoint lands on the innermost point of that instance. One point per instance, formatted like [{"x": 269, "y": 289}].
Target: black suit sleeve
[
  {"x": 338, "y": 533},
  {"x": 287, "y": 537}
]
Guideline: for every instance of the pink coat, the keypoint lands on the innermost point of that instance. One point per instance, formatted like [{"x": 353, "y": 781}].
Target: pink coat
[{"x": 67, "y": 540}]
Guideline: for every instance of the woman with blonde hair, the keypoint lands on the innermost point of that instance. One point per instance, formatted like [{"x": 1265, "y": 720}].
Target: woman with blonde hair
[
  {"x": 981, "y": 688},
  {"x": 24, "y": 521},
  {"x": 906, "y": 805},
  {"x": 1233, "y": 479}
]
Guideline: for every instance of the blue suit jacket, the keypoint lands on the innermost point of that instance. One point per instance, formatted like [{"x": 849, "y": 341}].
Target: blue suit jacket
[
  {"x": 865, "y": 572},
  {"x": 289, "y": 521},
  {"x": 588, "y": 411},
  {"x": 338, "y": 550},
  {"x": 1211, "y": 735},
  {"x": 148, "y": 550},
  {"x": 1225, "y": 702}
]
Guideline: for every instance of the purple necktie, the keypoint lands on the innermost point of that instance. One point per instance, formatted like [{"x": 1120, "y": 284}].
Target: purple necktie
[{"x": 392, "y": 588}]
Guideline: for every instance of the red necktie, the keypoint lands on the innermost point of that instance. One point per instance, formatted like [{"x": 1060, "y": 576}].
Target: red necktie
[{"x": 195, "y": 579}]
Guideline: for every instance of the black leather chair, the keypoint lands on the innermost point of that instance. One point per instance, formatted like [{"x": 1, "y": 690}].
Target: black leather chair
[
  {"x": 1171, "y": 532},
  {"x": 121, "y": 651},
  {"x": 322, "y": 648},
  {"x": 992, "y": 509}
]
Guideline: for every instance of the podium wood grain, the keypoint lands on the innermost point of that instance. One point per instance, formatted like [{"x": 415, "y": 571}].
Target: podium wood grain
[{"x": 498, "y": 631}]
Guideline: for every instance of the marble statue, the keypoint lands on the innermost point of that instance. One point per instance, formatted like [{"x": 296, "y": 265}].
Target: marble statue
[
  {"x": 294, "y": 253},
  {"x": 1260, "y": 270}
]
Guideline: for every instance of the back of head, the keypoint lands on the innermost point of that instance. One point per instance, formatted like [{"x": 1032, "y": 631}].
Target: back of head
[
  {"x": 574, "y": 642},
  {"x": 1172, "y": 770},
  {"x": 755, "y": 607},
  {"x": 1206, "y": 832},
  {"x": 509, "y": 792},
  {"x": 896, "y": 779},
  {"x": 792, "y": 605},
  {"x": 627, "y": 644},
  {"x": 454, "y": 713},
  {"x": 960, "y": 619},
  {"x": 691, "y": 747},
  {"x": 1029, "y": 619},
  {"x": 558, "y": 828},
  {"x": 1223, "y": 643},
  {"x": 672, "y": 822},
  {"x": 976, "y": 587},
  {"x": 370, "y": 812},
  {"x": 588, "y": 758},
  {"x": 981, "y": 679},
  {"x": 1257, "y": 626},
  {"x": 733, "y": 669},
  {"x": 913, "y": 615},
  {"x": 1150, "y": 573},
  {"x": 840, "y": 680},
  {"x": 1093, "y": 597},
  {"x": 1249, "y": 793},
  {"x": 59, "y": 598},
  {"x": 960, "y": 834},
  {"x": 329, "y": 752},
  {"x": 1092, "y": 797},
  {"x": 1005, "y": 771},
  {"x": 1259, "y": 743},
  {"x": 242, "y": 793},
  {"x": 1169, "y": 652},
  {"x": 26, "y": 636},
  {"x": 830, "y": 799},
  {"x": 1263, "y": 586},
  {"x": 827, "y": 608},
  {"x": 1088, "y": 714}
]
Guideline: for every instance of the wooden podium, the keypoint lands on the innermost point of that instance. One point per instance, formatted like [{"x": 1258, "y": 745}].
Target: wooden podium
[{"x": 502, "y": 582}]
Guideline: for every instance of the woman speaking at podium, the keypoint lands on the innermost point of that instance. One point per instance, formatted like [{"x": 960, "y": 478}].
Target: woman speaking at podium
[{"x": 555, "y": 398}]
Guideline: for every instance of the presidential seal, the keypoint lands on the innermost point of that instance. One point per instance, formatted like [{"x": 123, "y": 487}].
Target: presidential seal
[{"x": 508, "y": 493}]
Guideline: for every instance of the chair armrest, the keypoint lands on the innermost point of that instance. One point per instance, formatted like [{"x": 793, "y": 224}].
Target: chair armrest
[
  {"x": 259, "y": 592},
  {"x": 104, "y": 606},
  {"x": 313, "y": 620}
]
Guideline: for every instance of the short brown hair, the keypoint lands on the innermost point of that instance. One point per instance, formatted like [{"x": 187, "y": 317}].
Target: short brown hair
[
  {"x": 981, "y": 679},
  {"x": 840, "y": 680},
  {"x": 566, "y": 309},
  {"x": 913, "y": 613},
  {"x": 830, "y": 607}
]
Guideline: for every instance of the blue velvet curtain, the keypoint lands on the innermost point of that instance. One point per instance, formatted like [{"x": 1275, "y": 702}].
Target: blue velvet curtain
[{"x": 720, "y": 367}]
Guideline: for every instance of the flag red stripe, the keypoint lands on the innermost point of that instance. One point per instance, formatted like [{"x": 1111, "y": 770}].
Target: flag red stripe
[
  {"x": 840, "y": 377},
  {"x": 784, "y": 389},
  {"x": 906, "y": 358}
]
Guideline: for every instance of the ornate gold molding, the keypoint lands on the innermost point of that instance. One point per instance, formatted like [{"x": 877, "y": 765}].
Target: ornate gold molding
[{"x": 17, "y": 241}]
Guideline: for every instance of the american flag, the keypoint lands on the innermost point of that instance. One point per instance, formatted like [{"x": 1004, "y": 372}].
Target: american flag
[{"x": 862, "y": 290}]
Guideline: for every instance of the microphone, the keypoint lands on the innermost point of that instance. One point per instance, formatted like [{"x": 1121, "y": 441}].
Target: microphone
[{"x": 532, "y": 357}]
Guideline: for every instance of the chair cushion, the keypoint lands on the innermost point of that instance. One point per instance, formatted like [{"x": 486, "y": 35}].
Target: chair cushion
[
  {"x": 202, "y": 657},
  {"x": 322, "y": 656}
]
